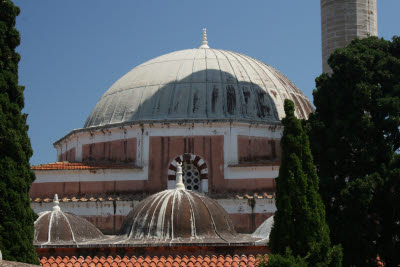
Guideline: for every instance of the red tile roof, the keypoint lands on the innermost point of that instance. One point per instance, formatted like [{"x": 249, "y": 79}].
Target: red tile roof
[
  {"x": 256, "y": 196},
  {"x": 83, "y": 199},
  {"x": 81, "y": 166},
  {"x": 148, "y": 261}
]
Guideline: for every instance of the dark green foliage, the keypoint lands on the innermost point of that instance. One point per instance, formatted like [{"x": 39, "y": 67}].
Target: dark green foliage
[
  {"x": 299, "y": 222},
  {"x": 355, "y": 136},
  {"x": 16, "y": 216},
  {"x": 288, "y": 260},
  {"x": 276, "y": 260}
]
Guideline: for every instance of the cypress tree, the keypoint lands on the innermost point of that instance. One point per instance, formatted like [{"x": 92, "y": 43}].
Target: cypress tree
[
  {"x": 299, "y": 222},
  {"x": 16, "y": 216}
]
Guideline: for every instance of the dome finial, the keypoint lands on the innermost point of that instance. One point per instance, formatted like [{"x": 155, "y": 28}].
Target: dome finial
[
  {"x": 179, "y": 184},
  {"x": 204, "y": 43},
  {"x": 55, "y": 202}
]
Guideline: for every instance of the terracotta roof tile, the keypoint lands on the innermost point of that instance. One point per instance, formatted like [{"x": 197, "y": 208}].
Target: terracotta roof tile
[
  {"x": 130, "y": 198},
  {"x": 153, "y": 261},
  {"x": 83, "y": 199},
  {"x": 256, "y": 196},
  {"x": 65, "y": 165}
]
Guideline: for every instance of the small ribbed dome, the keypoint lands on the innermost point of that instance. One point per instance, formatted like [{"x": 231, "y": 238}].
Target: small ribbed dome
[
  {"x": 57, "y": 227},
  {"x": 264, "y": 229},
  {"x": 199, "y": 85},
  {"x": 178, "y": 214}
]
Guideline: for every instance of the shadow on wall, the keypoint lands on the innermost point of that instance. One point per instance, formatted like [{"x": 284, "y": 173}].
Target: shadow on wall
[{"x": 210, "y": 95}]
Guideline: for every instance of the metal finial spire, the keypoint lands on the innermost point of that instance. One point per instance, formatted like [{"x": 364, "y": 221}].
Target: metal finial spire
[
  {"x": 179, "y": 184},
  {"x": 204, "y": 43},
  {"x": 55, "y": 203}
]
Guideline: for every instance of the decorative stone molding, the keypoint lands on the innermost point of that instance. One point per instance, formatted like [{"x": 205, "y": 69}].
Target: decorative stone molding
[{"x": 197, "y": 161}]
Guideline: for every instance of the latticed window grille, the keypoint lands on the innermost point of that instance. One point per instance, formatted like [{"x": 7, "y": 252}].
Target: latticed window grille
[{"x": 191, "y": 176}]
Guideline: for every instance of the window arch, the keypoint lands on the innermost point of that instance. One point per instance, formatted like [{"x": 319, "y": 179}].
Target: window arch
[{"x": 194, "y": 172}]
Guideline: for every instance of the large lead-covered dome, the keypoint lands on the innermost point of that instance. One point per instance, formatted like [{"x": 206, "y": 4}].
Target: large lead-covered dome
[{"x": 199, "y": 85}]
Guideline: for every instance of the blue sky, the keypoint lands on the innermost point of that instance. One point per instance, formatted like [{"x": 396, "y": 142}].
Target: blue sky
[{"x": 73, "y": 51}]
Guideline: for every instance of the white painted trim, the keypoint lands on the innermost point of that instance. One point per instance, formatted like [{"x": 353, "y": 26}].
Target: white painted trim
[
  {"x": 242, "y": 206},
  {"x": 50, "y": 176},
  {"x": 204, "y": 185},
  {"x": 105, "y": 208},
  {"x": 171, "y": 184}
]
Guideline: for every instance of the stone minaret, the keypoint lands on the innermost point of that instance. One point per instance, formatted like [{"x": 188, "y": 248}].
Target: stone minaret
[{"x": 344, "y": 20}]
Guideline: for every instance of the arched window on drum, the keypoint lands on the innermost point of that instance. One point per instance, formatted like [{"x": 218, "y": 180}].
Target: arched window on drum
[{"x": 194, "y": 172}]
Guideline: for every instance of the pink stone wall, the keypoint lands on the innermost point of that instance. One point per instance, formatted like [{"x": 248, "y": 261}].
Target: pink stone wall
[
  {"x": 112, "y": 151},
  {"x": 248, "y": 222},
  {"x": 211, "y": 149},
  {"x": 109, "y": 225},
  {"x": 87, "y": 189},
  {"x": 257, "y": 185},
  {"x": 243, "y": 222},
  {"x": 165, "y": 149},
  {"x": 258, "y": 149},
  {"x": 69, "y": 155}
]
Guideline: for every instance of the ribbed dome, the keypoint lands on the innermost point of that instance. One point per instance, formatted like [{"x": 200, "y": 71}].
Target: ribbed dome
[
  {"x": 199, "y": 85},
  {"x": 57, "y": 227},
  {"x": 178, "y": 214},
  {"x": 264, "y": 229}
]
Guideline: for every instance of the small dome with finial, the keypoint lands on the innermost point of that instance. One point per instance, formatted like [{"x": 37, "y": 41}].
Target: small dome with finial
[
  {"x": 179, "y": 214},
  {"x": 58, "y": 227}
]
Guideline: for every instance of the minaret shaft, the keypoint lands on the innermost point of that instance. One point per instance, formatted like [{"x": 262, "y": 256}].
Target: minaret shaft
[{"x": 343, "y": 21}]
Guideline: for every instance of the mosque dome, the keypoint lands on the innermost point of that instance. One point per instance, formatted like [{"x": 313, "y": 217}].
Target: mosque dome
[
  {"x": 195, "y": 85},
  {"x": 58, "y": 227},
  {"x": 179, "y": 214}
]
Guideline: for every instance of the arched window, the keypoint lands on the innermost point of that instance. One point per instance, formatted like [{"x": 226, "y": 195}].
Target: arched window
[{"x": 194, "y": 172}]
